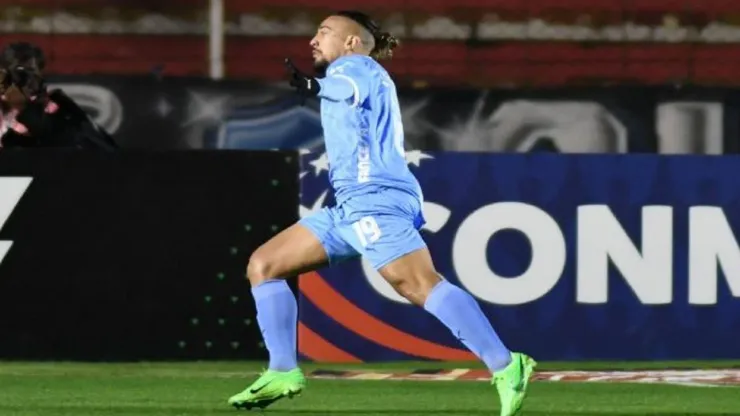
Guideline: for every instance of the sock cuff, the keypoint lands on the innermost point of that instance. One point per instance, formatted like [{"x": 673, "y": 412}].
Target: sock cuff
[
  {"x": 269, "y": 287},
  {"x": 438, "y": 295}
]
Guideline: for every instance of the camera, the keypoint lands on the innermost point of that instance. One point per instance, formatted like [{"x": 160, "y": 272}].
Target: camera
[{"x": 21, "y": 79}]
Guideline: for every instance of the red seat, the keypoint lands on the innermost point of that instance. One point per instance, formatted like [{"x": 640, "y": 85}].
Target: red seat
[
  {"x": 716, "y": 73},
  {"x": 717, "y": 53},
  {"x": 529, "y": 6},
  {"x": 442, "y": 62},
  {"x": 523, "y": 6}
]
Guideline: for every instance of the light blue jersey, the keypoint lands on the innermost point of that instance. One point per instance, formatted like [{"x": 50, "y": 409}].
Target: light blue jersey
[
  {"x": 379, "y": 201},
  {"x": 363, "y": 131}
]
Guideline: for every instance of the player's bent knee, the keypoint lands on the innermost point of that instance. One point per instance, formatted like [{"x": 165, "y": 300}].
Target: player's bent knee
[
  {"x": 408, "y": 290},
  {"x": 413, "y": 276},
  {"x": 259, "y": 269},
  {"x": 415, "y": 288}
]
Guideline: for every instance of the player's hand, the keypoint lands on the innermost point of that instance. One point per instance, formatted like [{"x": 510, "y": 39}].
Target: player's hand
[{"x": 306, "y": 85}]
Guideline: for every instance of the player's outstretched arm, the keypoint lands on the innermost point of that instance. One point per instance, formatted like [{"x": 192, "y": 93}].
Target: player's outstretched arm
[
  {"x": 335, "y": 87},
  {"x": 305, "y": 84},
  {"x": 338, "y": 88}
]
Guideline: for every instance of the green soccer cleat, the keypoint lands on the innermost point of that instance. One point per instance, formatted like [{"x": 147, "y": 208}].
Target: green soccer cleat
[
  {"x": 512, "y": 383},
  {"x": 269, "y": 388}
]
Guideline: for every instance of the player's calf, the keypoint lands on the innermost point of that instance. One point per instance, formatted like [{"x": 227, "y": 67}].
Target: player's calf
[
  {"x": 416, "y": 279},
  {"x": 289, "y": 252}
]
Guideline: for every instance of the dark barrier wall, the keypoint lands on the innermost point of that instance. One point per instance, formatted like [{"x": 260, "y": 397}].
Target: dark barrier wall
[
  {"x": 136, "y": 255},
  {"x": 185, "y": 113}
]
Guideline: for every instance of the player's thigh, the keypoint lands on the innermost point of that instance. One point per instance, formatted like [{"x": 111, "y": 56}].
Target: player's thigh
[
  {"x": 395, "y": 248},
  {"x": 381, "y": 238},
  {"x": 326, "y": 228},
  {"x": 290, "y": 252},
  {"x": 313, "y": 242}
]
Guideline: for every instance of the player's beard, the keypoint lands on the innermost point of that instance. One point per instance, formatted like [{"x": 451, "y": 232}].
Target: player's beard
[{"x": 320, "y": 66}]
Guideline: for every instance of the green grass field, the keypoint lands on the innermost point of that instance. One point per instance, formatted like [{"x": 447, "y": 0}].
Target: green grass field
[{"x": 73, "y": 389}]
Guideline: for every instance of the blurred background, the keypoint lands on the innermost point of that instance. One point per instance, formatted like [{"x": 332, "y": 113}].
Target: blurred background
[{"x": 612, "y": 76}]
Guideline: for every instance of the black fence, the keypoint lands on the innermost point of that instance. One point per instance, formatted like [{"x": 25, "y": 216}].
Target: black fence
[{"x": 136, "y": 255}]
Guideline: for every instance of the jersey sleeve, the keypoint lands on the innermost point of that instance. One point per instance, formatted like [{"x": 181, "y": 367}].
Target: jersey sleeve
[{"x": 349, "y": 82}]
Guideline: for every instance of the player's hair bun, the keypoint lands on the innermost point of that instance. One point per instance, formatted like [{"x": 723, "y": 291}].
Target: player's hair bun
[{"x": 384, "y": 45}]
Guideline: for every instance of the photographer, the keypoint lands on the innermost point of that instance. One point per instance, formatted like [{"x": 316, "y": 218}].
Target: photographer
[{"x": 34, "y": 117}]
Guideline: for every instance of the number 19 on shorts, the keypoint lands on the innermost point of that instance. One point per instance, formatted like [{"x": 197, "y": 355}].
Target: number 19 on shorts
[{"x": 367, "y": 230}]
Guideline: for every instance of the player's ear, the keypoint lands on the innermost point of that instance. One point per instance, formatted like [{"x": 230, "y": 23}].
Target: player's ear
[{"x": 352, "y": 43}]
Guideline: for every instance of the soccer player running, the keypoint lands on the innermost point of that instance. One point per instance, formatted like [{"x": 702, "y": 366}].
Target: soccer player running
[{"x": 378, "y": 213}]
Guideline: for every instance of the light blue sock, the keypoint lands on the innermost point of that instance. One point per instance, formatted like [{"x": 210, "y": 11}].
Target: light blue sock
[
  {"x": 277, "y": 315},
  {"x": 459, "y": 311}
]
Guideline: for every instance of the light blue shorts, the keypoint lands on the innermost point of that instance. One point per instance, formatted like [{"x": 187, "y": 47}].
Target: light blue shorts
[{"x": 380, "y": 226}]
